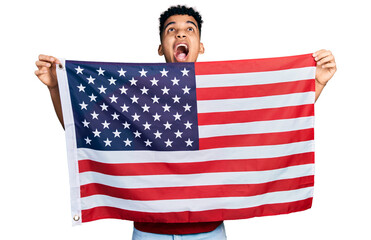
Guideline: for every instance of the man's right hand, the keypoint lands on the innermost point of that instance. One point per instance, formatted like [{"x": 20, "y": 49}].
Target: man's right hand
[{"x": 47, "y": 70}]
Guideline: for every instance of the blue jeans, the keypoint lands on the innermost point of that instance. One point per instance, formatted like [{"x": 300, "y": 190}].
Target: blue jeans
[{"x": 217, "y": 234}]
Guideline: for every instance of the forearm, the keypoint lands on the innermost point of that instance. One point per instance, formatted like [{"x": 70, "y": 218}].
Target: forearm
[
  {"x": 54, "y": 94},
  {"x": 318, "y": 89}
]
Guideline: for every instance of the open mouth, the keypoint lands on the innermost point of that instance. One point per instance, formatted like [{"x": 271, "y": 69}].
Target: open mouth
[{"x": 181, "y": 52}]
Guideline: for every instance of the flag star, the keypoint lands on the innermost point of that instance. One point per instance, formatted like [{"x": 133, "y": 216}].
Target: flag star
[
  {"x": 102, "y": 89},
  {"x": 143, "y": 73},
  {"x": 112, "y": 81},
  {"x": 113, "y": 98},
  {"x": 133, "y": 81},
  {"x": 154, "y": 81},
  {"x": 178, "y": 134},
  {"x": 81, "y": 88},
  {"x": 148, "y": 143},
  {"x": 137, "y": 134},
  {"x": 155, "y": 99},
  {"x": 168, "y": 143},
  {"x": 177, "y": 116},
  {"x": 79, "y": 70},
  {"x": 90, "y": 79},
  {"x": 88, "y": 141},
  {"x": 104, "y": 107},
  {"x": 157, "y": 134},
  {"x": 83, "y": 105},
  {"x": 116, "y": 133},
  {"x": 96, "y": 133},
  {"x": 175, "y": 81},
  {"x": 126, "y": 125},
  {"x": 189, "y": 142},
  {"x": 135, "y": 117},
  {"x": 188, "y": 125},
  {"x": 165, "y": 90},
  {"x": 166, "y": 108},
  {"x": 144, "y": 90},
  {"x": 134, "y": 99},
  {"x": 176, "y": 99},
  {"x": 105, "y": 124},
  {"x": 86, "y": 123},
  {"x": 123, "y": 90},
  {"x": 93, "y": 98},
  {"x": 187, "y": 108},
  {"x": 146, "y": 108},
  {"x": 185, "y": 72},
  {"x": 127, "y": 142},
  {"x": 167, "y": 125},
  {"x": 146, "y": 126},
  {"x": 115, "y": 116},
  {"x": 94, "y": 115},
  {"x": 156, "y": 117},
  {"x": 186, "y": 90},
  {"x": 164, "y": 72},
  {"x": 100, "y": 71},
  {"x": 122, "y": 72},
  {"x": 107, "y": 142},
  {"x": 125, "y": 108}
]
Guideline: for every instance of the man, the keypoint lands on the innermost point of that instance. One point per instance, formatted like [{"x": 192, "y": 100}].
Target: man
[{"x": 180, "y": 33}]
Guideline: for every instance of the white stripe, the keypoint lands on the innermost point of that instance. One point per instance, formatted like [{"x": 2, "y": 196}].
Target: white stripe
[
  {"x": 199, "y": 179},
  {"x": 254, "y": 78},
  {"x": 198, "y": 204},
  {"x": 243, "y": 104},
  {"x": 284, "y": 125},
  {"x": 268, "y": 151}
]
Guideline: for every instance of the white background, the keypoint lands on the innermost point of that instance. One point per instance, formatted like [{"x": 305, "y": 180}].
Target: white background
[{"x": 34, "y": 176}]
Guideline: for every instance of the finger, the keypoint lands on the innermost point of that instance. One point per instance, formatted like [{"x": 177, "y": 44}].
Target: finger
[
  {"x": 322, "y": 55},
  {"x": 318, "y": 52},
  {"x": 326, "y": 59},
  {"x": 329, "y": 65},
  {"x": 43, "y": 64},
  {"x": 47, "y": 58},
  {"x": 40, "y": 72}
]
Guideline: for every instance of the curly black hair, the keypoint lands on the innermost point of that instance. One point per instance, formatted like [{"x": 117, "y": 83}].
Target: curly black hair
[{"x": 180, "y": 10}]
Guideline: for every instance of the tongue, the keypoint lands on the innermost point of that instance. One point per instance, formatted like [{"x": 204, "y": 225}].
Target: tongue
[{"x": 181, "y": 55}]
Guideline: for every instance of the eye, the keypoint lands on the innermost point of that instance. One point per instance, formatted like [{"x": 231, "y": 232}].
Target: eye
[
  {"x": 190, "y": 29},
  {"x": 171, "y": 30}
]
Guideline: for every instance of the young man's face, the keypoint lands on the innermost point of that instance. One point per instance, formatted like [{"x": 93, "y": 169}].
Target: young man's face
[{"x": 180, "y": 39}]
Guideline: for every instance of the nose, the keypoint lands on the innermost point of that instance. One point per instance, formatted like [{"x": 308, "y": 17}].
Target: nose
[{"x": 180, "y": 35}]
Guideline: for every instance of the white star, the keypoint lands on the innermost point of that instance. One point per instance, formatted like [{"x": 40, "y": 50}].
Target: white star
[
  {"x": 178, "y": 134},
  {"x": 123, "y": 89},
  {"x": 185, "y": 72},
  {"x": 137, "y": 134},
  {"x": 93, "y": 98},
  {"x": 168, "y": 143},
  {"x": 167, "y": 125},
  {"x": 144, "y": 90},
  {"x": 176, "y": 99},
  {"x": 164, "y": 72},
  {"x": 166, "y": 108},
  {"x": 188, "y": 125},
  {"x": 113, "y": 98},
  {"x": 143, "y": 73},
  {"x": 122, "y": 72},
  {"x": 115, "y": 116},
  {"x": 155, "y": 99},
  {"x": 96, "y": 133},
  {"x": 135, "y": 117},
  {"x": 146, "y": 126},
  {"x": 94, "y": 115},
  {"x": 104, "y": 107},
  {"x": 100, "y": 71},
  {"x": 186, "y": 90},
  {"x": 126, "y": 125},
  {"x": 102, "y": 89},
  {"x": 133, "y": 81},
  {"x": 90, "y": 79},
  {"x": 88, "y": 141},
  {"x": 187, "y": 108},
  {"x": 112, "y": 81},
  {"x": 116, "y": 133},
  {"x": 105, "y": 124},
  {"x": 154, "y": 81},
  {"x": 107, "y": 142},
  {"x": 145, "y": 108},
  {"x": 148, "y": 143},
  {"x": 83, "y": 105},
  {"x": 175, "y": 81},
  {"x": 177, "y": 116},
  {"x": 156, "y": 117},
  {"x": 189, "y": 142},
  {"x": 127, "y": 142},
  {"x": 79, "y": 70},
  {"x": 134, "y": 99},
  {"x": 125, "y": 108},
  {"x": 157, "y": 134},
  {"x": 81, "y": 88},
  {"x": 165, "y": 90},
  {"x": 86, "y": 123}
]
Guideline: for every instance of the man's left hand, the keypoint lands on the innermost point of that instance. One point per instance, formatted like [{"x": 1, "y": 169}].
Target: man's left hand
[{"x": 326, "y": 66}]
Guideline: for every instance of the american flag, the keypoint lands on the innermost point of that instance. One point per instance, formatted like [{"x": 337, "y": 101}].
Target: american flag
[{"x": 189, "y": 142}]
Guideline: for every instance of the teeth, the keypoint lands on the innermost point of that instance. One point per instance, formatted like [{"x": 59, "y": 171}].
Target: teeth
[{"x": 182, "y": 44}]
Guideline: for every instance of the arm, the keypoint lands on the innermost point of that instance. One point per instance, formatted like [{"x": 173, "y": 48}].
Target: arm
[
  {"x": 47, "y": 74},
  {"x": 326, "y": 68}
]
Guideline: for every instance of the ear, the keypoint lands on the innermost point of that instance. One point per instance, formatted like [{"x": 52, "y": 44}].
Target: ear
[
  {"x": 202, "y": 48},
  {"x": 160, "y": 50}
]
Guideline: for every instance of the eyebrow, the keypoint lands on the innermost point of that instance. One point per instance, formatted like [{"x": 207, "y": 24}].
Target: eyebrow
[{"x": 174, "y": 23}]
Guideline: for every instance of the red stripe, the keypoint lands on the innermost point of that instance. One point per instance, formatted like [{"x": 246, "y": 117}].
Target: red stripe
[
  {"x": 257, "y": 139},
  {"x": 214, "y": 93},
  {"x": 231, "y": 190},
  {"x": 254, "y": 65},
  {"x": 201, "y": 216},
  {"x": 256, "y": 115},
  {"x": 235, "y": 165}
]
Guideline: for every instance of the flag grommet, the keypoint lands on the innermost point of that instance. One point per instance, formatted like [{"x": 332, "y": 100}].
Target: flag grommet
[
  {"x": 76, "y": 218},
  {"x": 60, "y": 66}
]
